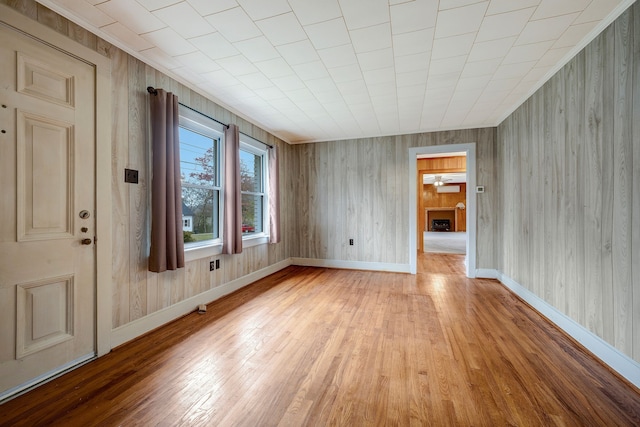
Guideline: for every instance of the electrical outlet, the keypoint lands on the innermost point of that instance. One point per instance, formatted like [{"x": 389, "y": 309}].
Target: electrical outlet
[
  {"x": 350, "y": 242},
  {"x": 217, "y": 263},
  {"x": 212, "y": 265},
  {"x": 131, "y": 176}
]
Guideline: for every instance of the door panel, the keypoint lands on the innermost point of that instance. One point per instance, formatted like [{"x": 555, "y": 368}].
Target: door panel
[{"x": 47, "y": 173}]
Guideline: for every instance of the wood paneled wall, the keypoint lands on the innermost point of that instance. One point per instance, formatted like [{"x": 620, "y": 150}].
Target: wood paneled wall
[
  {"x": 570, "y": 171},
  {"x": 136, "y": 291},
  {"x": 359, "y": 189}
]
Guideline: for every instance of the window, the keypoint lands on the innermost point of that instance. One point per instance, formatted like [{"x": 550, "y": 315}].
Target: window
[
  {"x": 253, "y": 173},
  {"x": 200, "y": 164}
]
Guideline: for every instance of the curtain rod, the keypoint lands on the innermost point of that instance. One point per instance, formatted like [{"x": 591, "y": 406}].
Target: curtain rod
[{"x": 153, "y": 91}]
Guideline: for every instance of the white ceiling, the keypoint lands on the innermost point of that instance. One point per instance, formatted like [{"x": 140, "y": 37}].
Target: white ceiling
[{"x": 317, "y": 70}]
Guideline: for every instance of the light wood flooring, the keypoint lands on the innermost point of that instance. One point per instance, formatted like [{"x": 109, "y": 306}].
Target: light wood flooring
[{"x": 314, "y": 346}]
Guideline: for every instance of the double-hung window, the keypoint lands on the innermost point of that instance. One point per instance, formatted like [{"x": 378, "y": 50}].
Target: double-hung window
[
  {"x": 253, "y": 178},
  {"x": 200, "y": 170}
]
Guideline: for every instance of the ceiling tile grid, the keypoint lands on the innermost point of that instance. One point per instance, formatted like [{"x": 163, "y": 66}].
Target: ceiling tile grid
[{"x": 309, "y": 70}]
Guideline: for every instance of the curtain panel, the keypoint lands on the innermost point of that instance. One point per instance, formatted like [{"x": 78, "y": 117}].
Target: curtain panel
[
  {"x": 167, "y": 241},
  {"x": 274, "y": 196},
  {"x": 232, "y": 229}
]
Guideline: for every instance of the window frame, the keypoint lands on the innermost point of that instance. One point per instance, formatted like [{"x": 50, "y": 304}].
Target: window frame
[
  {"x": 253, "y": 146},
  {"x": 198, "y": 123}
]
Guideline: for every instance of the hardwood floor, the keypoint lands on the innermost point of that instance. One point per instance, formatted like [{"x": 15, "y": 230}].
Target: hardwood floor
[{"x": 313, "y": 346}]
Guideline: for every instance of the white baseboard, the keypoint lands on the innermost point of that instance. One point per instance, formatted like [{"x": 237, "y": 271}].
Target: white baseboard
[
  {"x": 616, "y": 360},
  {"x": 486, "y": 273},
  {"x": 148, "y": 323},
  {"x": 351, "y": 265}
]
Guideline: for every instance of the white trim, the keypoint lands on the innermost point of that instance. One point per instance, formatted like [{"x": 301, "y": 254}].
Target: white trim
[
  {"x": 159, "y": 318},
  {"x": 45, "y": 378},
  {"x": 103, "y": 160},
  {"x": 486, "y": 273},
  {"x": 470, "y": 149},
  {"x": 351, "y": 265},
  {"x": 611, "y": 356}
]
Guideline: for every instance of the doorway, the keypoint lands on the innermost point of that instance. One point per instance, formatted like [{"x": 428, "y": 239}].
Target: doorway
[{"x": 415, "y": 233}]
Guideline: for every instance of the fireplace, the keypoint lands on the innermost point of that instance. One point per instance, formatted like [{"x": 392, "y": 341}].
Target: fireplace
[{"x": 441, "y": 224}]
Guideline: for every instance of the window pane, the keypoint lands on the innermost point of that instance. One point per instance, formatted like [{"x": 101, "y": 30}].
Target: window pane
[
  {"x": 250, "y": 172},
  {"x": 198, "y": 158},
  {"x": 252, "y": 216},
  {"x": 200, "y": 211}
]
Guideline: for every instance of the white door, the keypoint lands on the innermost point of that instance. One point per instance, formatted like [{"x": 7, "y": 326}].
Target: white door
[{"x": 47, "y": 211}]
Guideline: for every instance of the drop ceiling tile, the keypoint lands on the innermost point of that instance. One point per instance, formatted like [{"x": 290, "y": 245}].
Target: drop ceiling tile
[
  {"x": 553, "y": 56},
  {"x": 491, "y": 49},
  {"x": 189, "y": 74},
  {"x": 357, "y": 97},
  {"x": 255, "y": 81},
  {"x": 412, "y": 43},
  {"x": 313, "y": 11},
  {"x": 440, "y": 81},
  {"x": 371, "y": 38},
  {"x": 376, "y": 59},
  {"x": 353, "y": 87},
  {"x": 184, "y": 20},
  {"x": 86, "y": 11},
  {"x": 452, "y": 46},
  {"x": 433, "y": 96},
  {"x": 260, "y": 9},
  {"x": 348, "y": 73},
  {"x": 450, "y": 4},
  {"x": 407, "y": 63},
  {"x": 288, "y": 83},
  {"x": 328, "y": 34},
  {"x": 237, "y": 65},
  {"x": 502, "y": 85},
  {"x": 301, "y": 95},
  {"x": 552, "y": 8},
  {"x": 504, "y": 25},
  {"x": 152, "y": 5},
  {"x": 311, "y": 70},
  {"x": 214, "y": 45},
  {"x": 447, "y": 66},
  {"x": 282, "y": 29},
  {"x": 273, "y": 68},
  {"x": 381, "y": 90},
  {"x": 169, "y": 41},
  {"x": 461, "y": 20},
  {"x": 481, "y": 68},
  {"x": 412, "y": 95},
  {"x": 198, "y": 62},
  {"x": 131, "y": 15},
  {"x": 234, "y": 24},
  {"x": 411, "y": 78},
  {"x": 207, "y": 7},
  {"x": 518, "y": 70},
  {"x": 324, "y": 84},
  {"x": 156, "y": 56},
  {"x": 545, "y": 29},
  {"x": 527, "y": 52},
  {"x": 380, "y": 76},
  {"x": 597, "y": 10},
  {"x": 298, "y": 53},
  {"x": 502, "y": 6},
  {"x": 257, "y": 49},
  {"x": 220, "y": 79},
  {"x": 377, "y": 12},
  {"x": 413, "y": 16},
  {"x": 535, "y": 74},
  {"x": 338, "y": 56},
  {"x": 126, "y": 36},
  {"x": 574, "y": 34},
  {"x": 472, "y": 83}
]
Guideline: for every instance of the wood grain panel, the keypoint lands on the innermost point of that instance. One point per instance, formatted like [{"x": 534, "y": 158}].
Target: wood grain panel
[{"x": 576, "y": 228}]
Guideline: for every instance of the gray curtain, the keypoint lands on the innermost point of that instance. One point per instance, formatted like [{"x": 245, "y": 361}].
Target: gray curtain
[
  {"x": 232, "y": 229},
  {"x": 167, "y": 242},
  {"x": 274, "y": 196}
]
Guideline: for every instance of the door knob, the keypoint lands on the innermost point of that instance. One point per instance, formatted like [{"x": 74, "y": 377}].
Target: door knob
[{"x": 85, "y": 241}]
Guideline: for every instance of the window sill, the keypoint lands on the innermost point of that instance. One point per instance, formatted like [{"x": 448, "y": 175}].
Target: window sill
[{"x": 199, "y": 252}]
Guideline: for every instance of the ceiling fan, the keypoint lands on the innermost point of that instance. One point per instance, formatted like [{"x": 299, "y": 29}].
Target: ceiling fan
[{"x": 439, "y": 182}]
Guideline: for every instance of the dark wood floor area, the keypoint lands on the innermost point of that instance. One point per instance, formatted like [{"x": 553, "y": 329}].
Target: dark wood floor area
[{"x": 313, "y": 346}]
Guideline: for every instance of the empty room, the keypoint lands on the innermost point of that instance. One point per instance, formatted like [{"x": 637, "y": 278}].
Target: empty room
[{"x": 305, "y": 212}]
